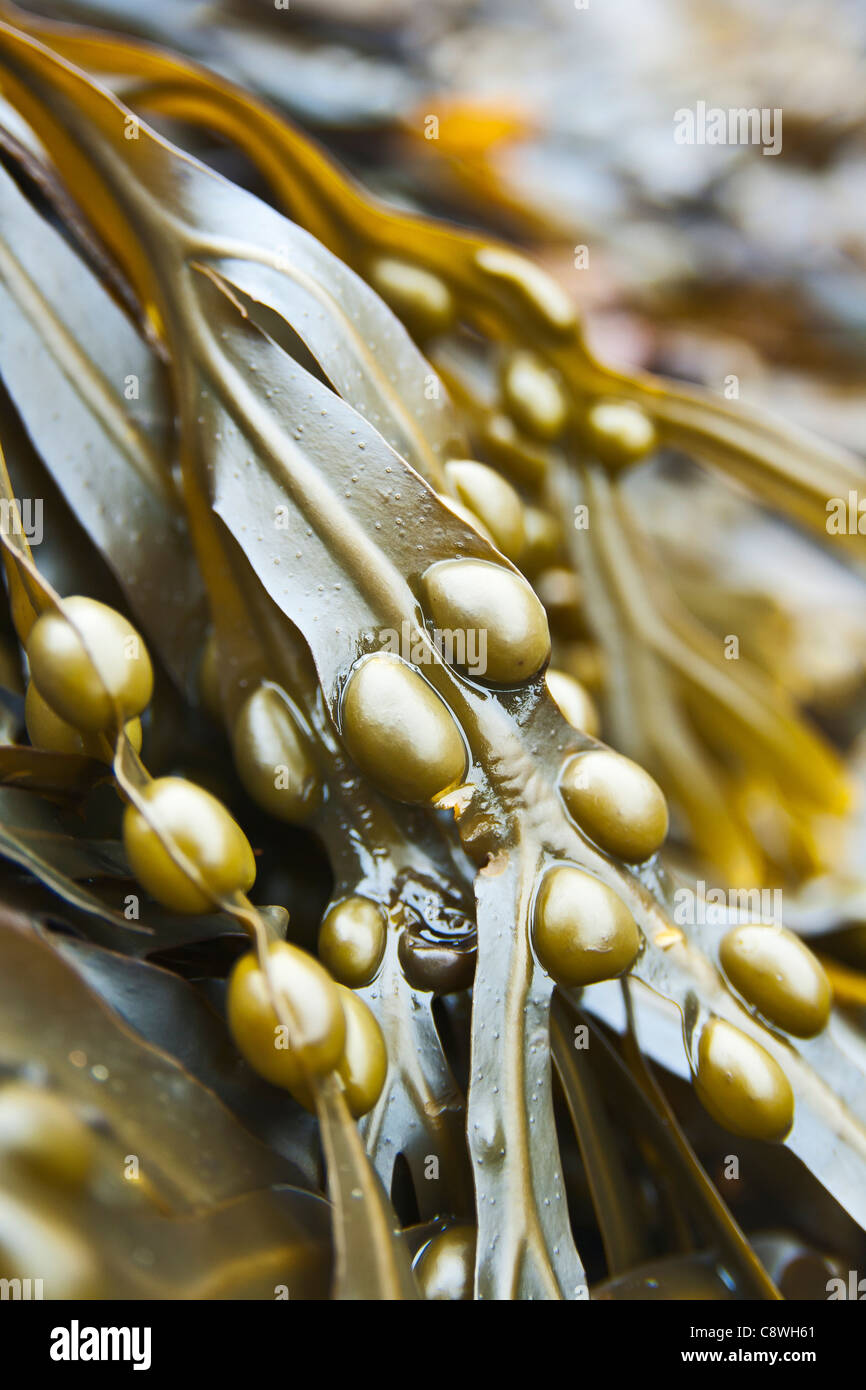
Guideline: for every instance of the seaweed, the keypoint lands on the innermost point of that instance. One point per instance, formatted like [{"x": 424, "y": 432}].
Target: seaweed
[{"x": 287, "y": 492}]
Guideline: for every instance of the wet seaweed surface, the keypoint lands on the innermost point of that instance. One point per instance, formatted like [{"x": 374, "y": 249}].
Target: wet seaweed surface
[{"x": 406, "y": 889}]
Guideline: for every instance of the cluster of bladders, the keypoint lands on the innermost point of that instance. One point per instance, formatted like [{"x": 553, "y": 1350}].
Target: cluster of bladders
[
  {"x": 616, "y": 432},
  {"x": 405, "y": 738},
  {"x": 582, "y": 931},
  {"x": 533, "y": 410},
  {"x": 88, "y": 662},
  {"x": 88, "y": 667}
]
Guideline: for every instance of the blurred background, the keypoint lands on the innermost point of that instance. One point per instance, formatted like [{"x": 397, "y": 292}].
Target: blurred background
[{"x": 556, "y": 126}]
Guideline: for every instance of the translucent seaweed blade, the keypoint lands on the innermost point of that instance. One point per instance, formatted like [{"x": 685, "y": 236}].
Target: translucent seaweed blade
[
  {"x": 622, "y": 1229},
  {"x": 62, "y": 338},
  {"x": 56, "y": 859},
  {"x": 420, "y": 1114},
  {"x": 361, "y": 345},
  {"x": 371, "y": 1260},
  {"x": 525, "y": 1246}
]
